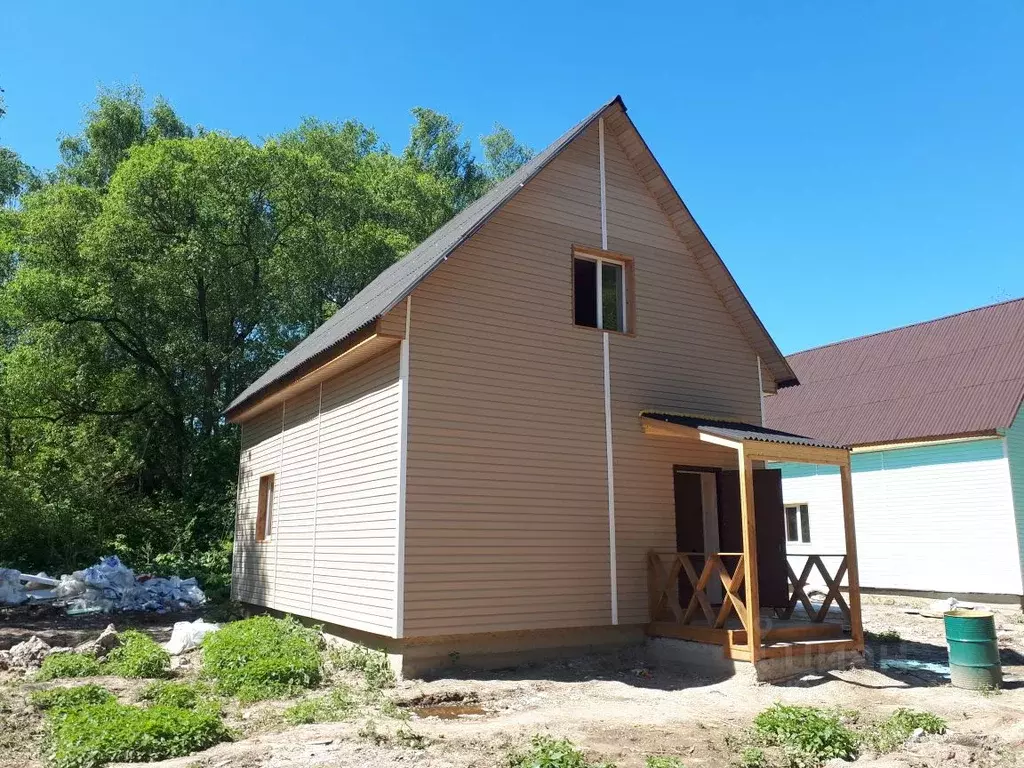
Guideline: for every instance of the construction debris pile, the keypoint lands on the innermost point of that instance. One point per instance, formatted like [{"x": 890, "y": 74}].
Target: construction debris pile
[{"x": 102, "y": 588}]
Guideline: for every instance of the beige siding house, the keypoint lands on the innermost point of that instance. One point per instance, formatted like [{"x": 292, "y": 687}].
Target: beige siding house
[{"x": 481, "y": 453}]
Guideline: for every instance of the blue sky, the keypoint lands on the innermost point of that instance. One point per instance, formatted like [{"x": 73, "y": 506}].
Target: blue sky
[{"x": 858, "y": 165}]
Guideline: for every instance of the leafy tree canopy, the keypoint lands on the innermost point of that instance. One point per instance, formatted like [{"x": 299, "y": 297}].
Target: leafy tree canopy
[{"x": 152, "y": 276}]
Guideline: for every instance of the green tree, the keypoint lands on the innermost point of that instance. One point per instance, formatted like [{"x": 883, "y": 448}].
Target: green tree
[{"x": 156, "y": 273}]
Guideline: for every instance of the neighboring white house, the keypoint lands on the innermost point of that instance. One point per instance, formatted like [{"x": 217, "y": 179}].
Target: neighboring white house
[{"x": 932, "y": 412}]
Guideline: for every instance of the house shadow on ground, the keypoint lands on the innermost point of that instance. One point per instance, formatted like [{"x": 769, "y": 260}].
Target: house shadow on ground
[
  {"x": 630, "y": 666},
  {"x": 917, "y": 665}
]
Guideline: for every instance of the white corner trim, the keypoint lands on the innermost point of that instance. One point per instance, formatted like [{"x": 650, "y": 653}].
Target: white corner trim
[
  {"x": 604, "y": 197},
  {"x": 610, "y": 468},
  {"x": 316, "y": 496},
  {"x": 403, "y": 454},
  {"x": 275, "y": 520},
  {"x": 238, "y": 511}
]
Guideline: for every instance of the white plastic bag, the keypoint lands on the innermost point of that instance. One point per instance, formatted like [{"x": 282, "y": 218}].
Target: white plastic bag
[
  {"x": 187, "y": 635},
  {"x": 11, "y": 590}
]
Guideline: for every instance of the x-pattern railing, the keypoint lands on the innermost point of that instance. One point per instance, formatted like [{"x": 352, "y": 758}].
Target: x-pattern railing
[
  {"x": 832, "y": 584},
  {"x": 665, "y": 570}
]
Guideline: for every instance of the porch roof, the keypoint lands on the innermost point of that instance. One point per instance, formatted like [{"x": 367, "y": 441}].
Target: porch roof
[{"x": 760, "y": 442}]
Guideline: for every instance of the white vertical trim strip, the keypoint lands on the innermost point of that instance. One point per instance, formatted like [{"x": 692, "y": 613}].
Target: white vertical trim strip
[
  {"x": 403, "y": 453},
  {"x": 316, "y": 496},
  {"x": 275, "y": 512},
  {"x": 760, "y": 387},
  {"x": 612, "y": 554}
]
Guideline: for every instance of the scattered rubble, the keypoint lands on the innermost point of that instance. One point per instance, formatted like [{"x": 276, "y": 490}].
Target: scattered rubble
[
  {"x": 28, "y": 654},
  {"x": 102, "y": 588},
  {"x": 102, "y": 645}
]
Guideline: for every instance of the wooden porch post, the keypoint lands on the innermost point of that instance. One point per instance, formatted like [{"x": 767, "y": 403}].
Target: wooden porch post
[
  {"x": 852, "y": 573},
  {"x": 753, "y": 619}
]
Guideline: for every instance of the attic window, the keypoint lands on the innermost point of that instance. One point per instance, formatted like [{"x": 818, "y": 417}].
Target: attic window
[{"x": 602, "y": 290}]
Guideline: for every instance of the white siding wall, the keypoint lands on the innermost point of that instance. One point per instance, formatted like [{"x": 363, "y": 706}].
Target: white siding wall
[
  {"x": 936, "y": 518},
  {"x": 331, "y": 555}
]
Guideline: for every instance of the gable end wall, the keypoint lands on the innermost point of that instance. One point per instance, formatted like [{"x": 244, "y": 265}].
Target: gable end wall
[{"x": 507, "y": 519}]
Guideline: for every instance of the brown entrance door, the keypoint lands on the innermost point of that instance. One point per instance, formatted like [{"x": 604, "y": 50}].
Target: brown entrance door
[
  {"x": 689, "y": 524},
  {"x": 770, "y": 527}
]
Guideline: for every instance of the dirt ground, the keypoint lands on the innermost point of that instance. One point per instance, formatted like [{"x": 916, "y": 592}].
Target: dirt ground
[{"x": 618, "y": 708}]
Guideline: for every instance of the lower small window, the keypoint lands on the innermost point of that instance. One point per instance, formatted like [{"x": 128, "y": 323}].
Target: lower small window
[
  {"x": 798, "y": 523},
  {"x": 265, "y": 508}
]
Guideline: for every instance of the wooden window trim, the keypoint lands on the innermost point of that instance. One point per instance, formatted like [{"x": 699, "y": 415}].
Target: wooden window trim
[
  {"x": 628, "y": 274},
  {"x": 265, "y": 505}
]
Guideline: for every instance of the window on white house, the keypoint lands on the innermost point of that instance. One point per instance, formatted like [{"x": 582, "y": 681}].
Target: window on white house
[
  {"x": 599, "y": 293},
  {"x": 798, "y": 523},
  {"x": 265, "y": 508}
]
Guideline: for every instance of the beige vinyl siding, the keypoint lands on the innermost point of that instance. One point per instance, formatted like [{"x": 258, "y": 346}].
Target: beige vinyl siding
[
  {"x": 507, "y": 506},
  {"x": 331, "y": 555},
  {"x": 253, "y": 563},
  {"x": 357, "y": 510},
  {"x": 688, "y": 355}
]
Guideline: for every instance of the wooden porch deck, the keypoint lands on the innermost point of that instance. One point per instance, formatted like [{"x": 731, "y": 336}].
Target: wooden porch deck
[{"x": 724, "y": 623}]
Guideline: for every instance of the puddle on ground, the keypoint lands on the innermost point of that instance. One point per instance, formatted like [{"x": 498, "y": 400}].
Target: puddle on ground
[
  {"x": 912, "y": 665},
  {"x": 448, "y": 711}
]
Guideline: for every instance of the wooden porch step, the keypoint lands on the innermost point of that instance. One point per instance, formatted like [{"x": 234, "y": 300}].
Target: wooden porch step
[{"x": 796, "y": 632}]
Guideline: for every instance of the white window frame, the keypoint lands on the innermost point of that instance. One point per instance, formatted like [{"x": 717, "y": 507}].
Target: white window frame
[
  {"x": 623, "y": 313},
  {"x": 799, "y": 522}
]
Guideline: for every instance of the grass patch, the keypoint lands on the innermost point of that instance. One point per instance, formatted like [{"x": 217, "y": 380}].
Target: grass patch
[
  {"x": 263, "y": 658},
  {"x": 374, "y": 665},
  {"x": 336, "y": 705},
  {"x": 546, "y": 752},
  {"x": 63, "y": 699},
  {"x": 752, "y": 757},
  {"x": 885, "y": 637},
  {"x": 167, "y": 693},
  {"x": 138, "y": 656},
  {"x": 96, "y": 734},
  {"x": 664, "y": 762},
  {"x": 809, "y": 736},
  {"x": 60, "y": 665},
  {"x": 900, "y": 726}
]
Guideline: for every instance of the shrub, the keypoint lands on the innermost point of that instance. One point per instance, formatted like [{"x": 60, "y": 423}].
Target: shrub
[
  {"x": 374, "y": 665},
  {"x": 64, "y": 699},
  {"x": 97, "y": 734},
  {"x": 58, "y": 665},
  {"x": 664, "y": 762},
  {"x": 335, "y": 706},
  {"x": 886, "y": 637},
  {"x": 752, "y": 757},
  {"x": 138, "y": 656},
  {"x": 262, "y": 658},
  {"x": 173, "y": 694},
  {"x": 808, "y": 731},
  {"x": 546, "y": 752},
  {"x": 900, "y": 726}
]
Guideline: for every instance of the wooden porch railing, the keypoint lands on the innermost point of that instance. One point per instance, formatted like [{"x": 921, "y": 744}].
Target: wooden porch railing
[
  {"x": 663, "y": 572},
  {"x": 832, "y": 584}
]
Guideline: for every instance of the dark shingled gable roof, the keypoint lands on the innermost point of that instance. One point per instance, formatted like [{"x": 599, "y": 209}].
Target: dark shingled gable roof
[
  {"x": 958, "y": 375},
  {"x": 399, "y": 280}
]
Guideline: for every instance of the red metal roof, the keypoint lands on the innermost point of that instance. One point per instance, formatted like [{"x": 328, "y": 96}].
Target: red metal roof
[{"x": 962, "y": 374}]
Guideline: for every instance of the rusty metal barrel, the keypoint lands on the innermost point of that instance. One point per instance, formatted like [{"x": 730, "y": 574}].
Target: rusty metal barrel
[{"x": 973, "y": 649}]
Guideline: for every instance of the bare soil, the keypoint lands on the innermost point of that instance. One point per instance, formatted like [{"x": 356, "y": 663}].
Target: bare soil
[{"x": 618, "y": 708}]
